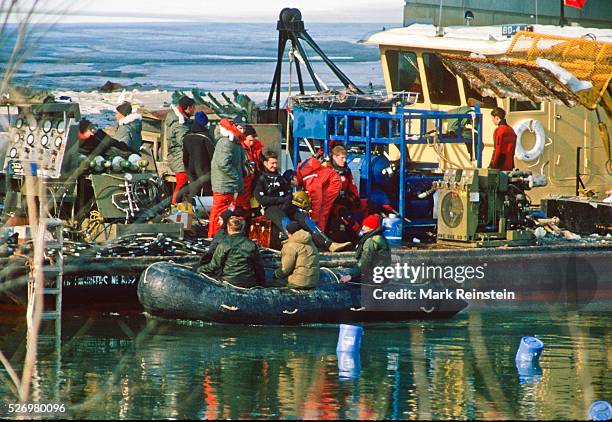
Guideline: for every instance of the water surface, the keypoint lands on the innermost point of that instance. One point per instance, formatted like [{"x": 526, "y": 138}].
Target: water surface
[{"x": 126, "y": 367}]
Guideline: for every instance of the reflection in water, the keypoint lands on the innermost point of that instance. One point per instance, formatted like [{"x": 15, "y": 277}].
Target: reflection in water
[{"x": 127, "y": 367}]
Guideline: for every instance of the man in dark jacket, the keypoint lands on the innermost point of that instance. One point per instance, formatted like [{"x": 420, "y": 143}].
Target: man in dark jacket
[
  {"x": 197, "y": 154},
  {"x": 236, "y": 258},
  {"x": 274, "y": 194},
  {"x": 94, "y": 142},
  {"x": 373, "y": 250}
]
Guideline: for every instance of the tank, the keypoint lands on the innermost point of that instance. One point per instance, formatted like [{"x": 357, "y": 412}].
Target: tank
[{"x": 393, "y": 229}]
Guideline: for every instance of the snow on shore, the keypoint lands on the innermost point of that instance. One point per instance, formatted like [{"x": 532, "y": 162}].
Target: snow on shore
[{"x": 99, "y": 107}]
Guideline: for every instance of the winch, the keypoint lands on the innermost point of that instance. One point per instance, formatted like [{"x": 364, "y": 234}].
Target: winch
[{"x": 484, "y": 207}]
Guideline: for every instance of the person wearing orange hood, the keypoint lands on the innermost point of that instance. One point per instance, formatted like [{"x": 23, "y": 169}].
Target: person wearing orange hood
[
  {"x": 253, "y": 149},
  {"x": 323, "y": 184},
  {"x": 226, "y": 167}
]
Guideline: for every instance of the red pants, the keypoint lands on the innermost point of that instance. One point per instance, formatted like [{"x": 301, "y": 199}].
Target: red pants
[
  {"x": 181, "y": 180},
  {"x": 323, "y": 188},
  {"x": 243, "y": 200},
  {"x": 221, "y": 203}
]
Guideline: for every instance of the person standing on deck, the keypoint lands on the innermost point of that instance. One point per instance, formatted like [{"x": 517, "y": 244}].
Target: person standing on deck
[
  {"x": 504, "y": 140},
  {"x": 197, "y": 154},
  {"x": 322, "y": 184},
  {"x": 178, "y": 124},
  {"x": 227, "y": 168},
  {"x": 129, "y": 129},
  {"x": 468, "y": 132},
  {"x": 299, "y": 260},
  {"x": 372, "y": 250},
  {"x": 253, "y": 150},
  {"x": 344, "y": 225},
  {"x": 236, "y": 259},
  {"x": 241, "y": 123}
]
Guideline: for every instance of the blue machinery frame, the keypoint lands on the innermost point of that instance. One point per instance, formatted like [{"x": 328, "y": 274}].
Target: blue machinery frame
[{"x": 376, "y": 128}]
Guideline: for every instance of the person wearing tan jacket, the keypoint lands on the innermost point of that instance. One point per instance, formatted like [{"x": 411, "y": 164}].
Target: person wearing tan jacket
[{"x": 299, "y": 260}]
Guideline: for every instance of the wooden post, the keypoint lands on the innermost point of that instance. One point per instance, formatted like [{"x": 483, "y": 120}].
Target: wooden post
[{"x": 562, "y": 13}]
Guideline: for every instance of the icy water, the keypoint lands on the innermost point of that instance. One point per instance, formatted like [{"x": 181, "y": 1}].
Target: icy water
[
  {"x": 209, "y": 56},
  {"x": 127, "y": 367}
]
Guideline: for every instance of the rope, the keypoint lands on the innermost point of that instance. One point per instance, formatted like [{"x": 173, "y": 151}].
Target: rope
[
  {"x": 334, "y": 275},
  {"x": 435, "y": 145}
]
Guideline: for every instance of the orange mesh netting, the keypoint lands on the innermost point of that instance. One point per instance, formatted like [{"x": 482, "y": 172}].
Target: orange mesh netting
[
  {"x": 586, "y": 58},
  {"x": 516, "y": 74}
]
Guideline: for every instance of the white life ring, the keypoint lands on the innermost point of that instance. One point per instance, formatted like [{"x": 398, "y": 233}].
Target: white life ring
[{"x": 533, "y": 126}]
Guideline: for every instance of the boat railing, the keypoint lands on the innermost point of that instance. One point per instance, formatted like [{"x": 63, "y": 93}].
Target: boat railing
[{"x": 369, "y": 129}]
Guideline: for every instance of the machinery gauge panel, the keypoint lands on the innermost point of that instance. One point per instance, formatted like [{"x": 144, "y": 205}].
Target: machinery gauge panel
[
  {"x": 58, "y": 142},
  {"x": 47, "y": 125},
  {"x": 19, "y": 123},
  {"x": 30, "y": 139},
  {"x": 44, "y": 141}
]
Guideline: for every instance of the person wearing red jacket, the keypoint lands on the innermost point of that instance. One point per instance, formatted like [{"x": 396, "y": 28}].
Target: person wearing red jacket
[
  {"x": 253, "y": 148},
  {"x": 504, "y": 142},
  {"x": 322, "y": 184},
  {"x": 344, "y": 227}
]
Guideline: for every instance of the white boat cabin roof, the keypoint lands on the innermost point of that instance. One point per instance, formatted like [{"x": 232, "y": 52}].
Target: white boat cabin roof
[{"x": 487, "y": 40}]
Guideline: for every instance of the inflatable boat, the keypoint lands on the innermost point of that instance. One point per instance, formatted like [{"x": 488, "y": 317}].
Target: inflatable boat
[{"x": 173, "y": 291}]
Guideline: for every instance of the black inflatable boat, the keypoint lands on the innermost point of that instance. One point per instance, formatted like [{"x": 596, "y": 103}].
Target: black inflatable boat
[{"x": 172, "y": 291}]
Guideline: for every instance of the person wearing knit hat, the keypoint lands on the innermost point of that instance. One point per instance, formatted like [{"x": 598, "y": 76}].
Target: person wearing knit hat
[
  {"x": 129, "y": 126},
  {"x": 227, "y": 179},
  {"x": 198, "y": 151},
  {"x": 124, "y": 109},
  {"x": 373, "y": 250},
  {"x": 371, "y": 222},
  {"x": 241, "y": 122},
  {"x": 178, "y": 125}
]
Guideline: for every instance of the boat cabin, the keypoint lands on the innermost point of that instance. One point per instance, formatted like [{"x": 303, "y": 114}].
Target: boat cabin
[{"x": 413, "y": 60}]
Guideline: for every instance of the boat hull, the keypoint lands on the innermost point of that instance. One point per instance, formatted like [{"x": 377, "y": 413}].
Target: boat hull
[{"x": 171, "y": 291}]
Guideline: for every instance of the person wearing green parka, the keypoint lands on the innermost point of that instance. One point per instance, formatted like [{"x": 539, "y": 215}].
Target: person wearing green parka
[
  {"x": 129, "y": 129},
  {"x": 372, "y": 251},
  {"x": 236, "y": 259},
  {"x": 178, "y": 125},
  {"x": 226, "y": 172}
]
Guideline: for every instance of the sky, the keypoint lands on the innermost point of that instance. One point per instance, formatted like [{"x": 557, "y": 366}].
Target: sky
[{"x": 385, "y": 11}]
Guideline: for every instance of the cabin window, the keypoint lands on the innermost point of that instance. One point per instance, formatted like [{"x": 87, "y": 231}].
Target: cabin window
[
  {"x": 486, "y": 102},
  {"x": 517, "y": 105},
  {"x": 404, "y": 72},
  {"x": 442, "y": 84}
]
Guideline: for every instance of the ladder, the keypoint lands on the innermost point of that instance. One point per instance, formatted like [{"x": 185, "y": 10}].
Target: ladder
[
  {"x": 52, "y": 288},
  {"x": 52, "y": 274}
]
